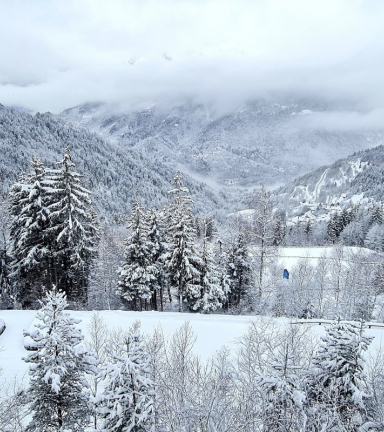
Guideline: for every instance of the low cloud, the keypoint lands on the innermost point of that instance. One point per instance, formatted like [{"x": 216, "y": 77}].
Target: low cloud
[
  {"x": 343, "y": 121},
  {"x": 136, "y": 53}
]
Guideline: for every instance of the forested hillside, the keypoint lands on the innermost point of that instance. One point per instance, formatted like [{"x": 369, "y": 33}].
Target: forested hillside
[{"x": 114, "y": 173}]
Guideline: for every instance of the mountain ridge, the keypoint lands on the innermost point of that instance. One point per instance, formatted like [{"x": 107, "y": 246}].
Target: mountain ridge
[
  {"x": 114, "y": 174},
  {"x": 258, "y": 143}
]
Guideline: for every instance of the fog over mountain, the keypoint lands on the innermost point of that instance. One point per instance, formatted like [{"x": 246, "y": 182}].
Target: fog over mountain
[
  {"x": 219, "y": 53},
  {"x": 258, "y": 143}
]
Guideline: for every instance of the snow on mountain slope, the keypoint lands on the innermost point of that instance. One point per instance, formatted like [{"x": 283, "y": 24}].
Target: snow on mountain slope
[
  {"x": 114, "y": 173},
  {"x": 356, "y": 179},
  {"x": 258, "y": 143}
]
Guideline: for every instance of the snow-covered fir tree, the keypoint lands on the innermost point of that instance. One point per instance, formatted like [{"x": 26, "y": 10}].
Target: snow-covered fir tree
[
  {"x": 279, "y": 230},
  {"x": 28, "y": 234},
  {"x": 334, "y": 229},
  {"x": 72, "y": 229},
  {"x": 5, "y": 280},
  {"x": 211, "y": 293},
  {"x": 308, "y": 229},
  {"x": 239, "y": 270},
  {"x": 58, "y": 388},
  {"x": 182, "y": 259},
  {"x": 137, "y": 274},
  {"x": 336, "y": 389},
  {"x": 128, "y": 400},
  {"x": 377, "y": 214},
  {"x": 157, "y": 247}
]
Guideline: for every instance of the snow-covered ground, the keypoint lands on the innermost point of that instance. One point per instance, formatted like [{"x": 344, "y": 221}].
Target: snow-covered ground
[
  {"x": 213, "y": 331},
  {"x": 288, "y": 257}
]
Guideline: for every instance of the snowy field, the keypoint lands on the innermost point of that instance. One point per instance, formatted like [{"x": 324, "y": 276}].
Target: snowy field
[
  {"x": 288, "y": 257},
  {"x": 213, "y": 331}
]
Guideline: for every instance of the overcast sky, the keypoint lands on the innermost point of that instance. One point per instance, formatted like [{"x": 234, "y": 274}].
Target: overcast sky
[{"x": 56, "y": 54}]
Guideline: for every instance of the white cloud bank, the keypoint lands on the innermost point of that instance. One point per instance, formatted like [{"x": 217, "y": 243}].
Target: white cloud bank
[{"x": 56, "y": 54}]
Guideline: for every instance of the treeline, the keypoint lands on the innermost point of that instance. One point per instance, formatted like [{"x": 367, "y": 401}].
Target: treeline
[
  {"x": 171, "y": 259},
  {"x": 279, "y": 379},
  {"x": 351, "y": 226},
  {"x": 234, "y": 268}
]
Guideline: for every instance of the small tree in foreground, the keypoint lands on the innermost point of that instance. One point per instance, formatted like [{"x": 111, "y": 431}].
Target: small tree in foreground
[
  {"x": 128, "y": 400},
  {"x": 57, "y": 370},
  {"x": 337, "y": 393}
]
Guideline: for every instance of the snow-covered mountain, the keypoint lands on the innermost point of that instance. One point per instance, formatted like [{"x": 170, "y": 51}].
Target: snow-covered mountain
[
  {"x": 258, "y": 143},
  {"x": 113, "y": 172},
  {"x": 357, "y": 179}
]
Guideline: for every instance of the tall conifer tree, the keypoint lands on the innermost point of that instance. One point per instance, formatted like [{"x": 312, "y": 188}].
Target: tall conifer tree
[
  {"x": 28, "y": 233},
  {"x": 182, "y": 259},
  {"x": 72, "y": 229},
  {"x": 137, "y": 274},
  {"x": 128, "y": 401}
]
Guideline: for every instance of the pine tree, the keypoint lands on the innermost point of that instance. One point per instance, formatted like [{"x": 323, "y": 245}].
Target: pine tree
[
  {"x": 239, "y": 271},
  {"x": 279, "y": 231},
  {"x": 308, "y": 229},
  {"x": 27, "y": 231},
  {"x": 5, "y": 280},
  {"x": 137, "y": 274},
  {"x": 72, "y": 229},
  {"x": 57, "y": 370},
  {"x": 335, "y": 388},
  {"x": 377, "y": 214},
  {"x": 211, "y": 293},
  {"x": 182, "y": 259},
  {"x": 346, "y": 217},
  {"x": 333, "y": 229},
  {"x": 157, "y": 247},
  {"x": 128, "y": 400}
]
